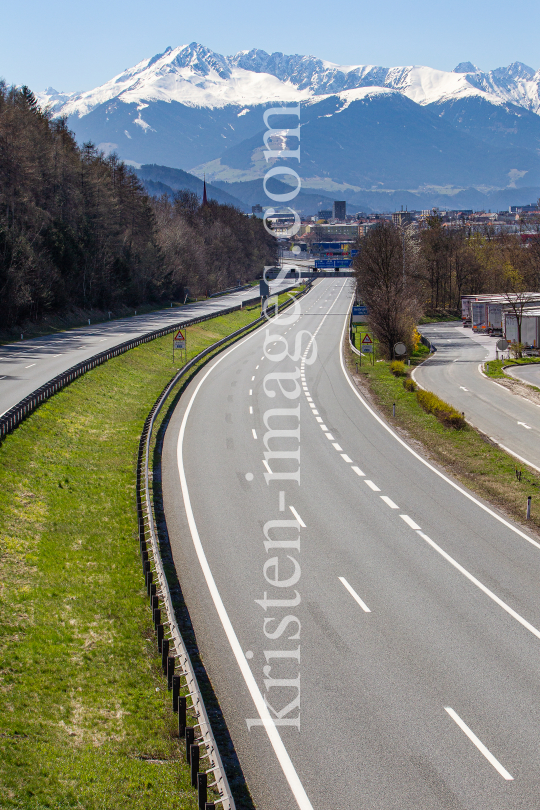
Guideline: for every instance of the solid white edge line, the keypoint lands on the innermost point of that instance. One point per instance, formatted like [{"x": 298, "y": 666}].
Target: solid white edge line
[
  {"x": 280, "y": 751},
  {"x": 419, "y": 457},
  {"x": 527, "y": 625},
  {"x": 354, "y": 595},
  {"x": 519, "y": 458},
  {"x": 297, "y": 516},
  {"x": 480, "y": 745}
]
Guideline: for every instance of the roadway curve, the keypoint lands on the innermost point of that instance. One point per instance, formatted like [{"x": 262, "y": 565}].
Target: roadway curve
[
  {"x": 390, "y": 699},
  {"x": 29, "y": 364},
  {"x": 527, "y": 374},
  {"x": 453, "y": 373}
]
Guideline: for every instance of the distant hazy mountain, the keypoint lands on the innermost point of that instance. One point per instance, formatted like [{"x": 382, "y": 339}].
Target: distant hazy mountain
[
  {"x": 364, "y": 127},
  {"x": 164, "y": 180}
]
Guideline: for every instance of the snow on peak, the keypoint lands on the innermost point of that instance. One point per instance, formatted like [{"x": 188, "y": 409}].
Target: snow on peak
[
  {"x": 466, "y": 67},
  {"x": 196, "y": 76}
]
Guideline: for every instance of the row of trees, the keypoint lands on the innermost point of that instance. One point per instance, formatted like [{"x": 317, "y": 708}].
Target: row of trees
[
  {"x": 402, "y": 274},
  {"x": 77, "y": 229},
  {"x": 454, "y": 261}
]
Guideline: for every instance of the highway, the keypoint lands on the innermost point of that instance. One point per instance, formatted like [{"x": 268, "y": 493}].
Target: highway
[
  {"x": 388, "y": 617},
  {"x": 29, "y": 364},
  {"x": 453, "y": 373}
]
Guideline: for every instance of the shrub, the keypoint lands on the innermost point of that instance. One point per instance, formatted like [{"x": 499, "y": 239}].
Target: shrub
[
  {"x": 398, "y": 368},
  {"x": 409, "y": 385},
  {"x": 444, "y": 412}
]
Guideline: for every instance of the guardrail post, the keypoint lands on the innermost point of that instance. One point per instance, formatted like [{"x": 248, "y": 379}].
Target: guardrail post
[
  {"x": 202, "y": 789},
  {"x": 164, "y": 654},
  {"x": 195, "y": 757},
  {"x": 182, "y": 716},
  {"x": 157, "y": 617},
  {"x": 149, "y": 580},
  {"x": 170, "y": 671},
  {"x": 209, "y": 806},
  {"x": 175, "y": 692},
  {"x": 190, "y": 736},
  {"x": 159, "y": 637}
]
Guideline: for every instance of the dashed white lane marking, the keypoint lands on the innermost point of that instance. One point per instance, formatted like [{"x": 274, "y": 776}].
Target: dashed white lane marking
[
  {"x": 57, "y": 355},
  {"x": 337, "y": 447},
  {"x": 354, "y": 595},
  {"x": 254, "y": 433},
  {"x": 256, "y": 367},
  {"x": 527, "y": 427},
  {"x": 480, "y": 745},
  {"x": 323, "y": 427},
  {"x": 318, "y": 418},
  {"x": 250, "y": 409},
  {"x": 251, "y": 392},
  {"x": 410, "y": 522},
  {"x": 389, "y": 502},
  {"x": 30, "y": 366},
  {"x": 309, "y": 399},
  {"x": 346, "y": 458},
  {"x": 252, "y": 378},
  {"x": 358, "y": 471},
  {"x": 371, "y": 485},
  {"x": 329, "y": 436},
  {"x": 297, "y": 516}
]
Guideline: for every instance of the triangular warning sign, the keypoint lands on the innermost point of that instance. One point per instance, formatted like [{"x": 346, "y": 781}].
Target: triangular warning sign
[
  {"x": 366, "y": 339},
  {"x": 179, "y": 335}
]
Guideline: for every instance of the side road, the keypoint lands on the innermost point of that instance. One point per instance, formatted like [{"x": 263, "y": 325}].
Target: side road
[
  {"x": 453, "y": 373},
  {"x": 27, "y": 365}
]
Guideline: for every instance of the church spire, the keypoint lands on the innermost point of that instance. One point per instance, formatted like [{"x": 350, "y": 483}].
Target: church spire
[{"x": 204, "y": 199}]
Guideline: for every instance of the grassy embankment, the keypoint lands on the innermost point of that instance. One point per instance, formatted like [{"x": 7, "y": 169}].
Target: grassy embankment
[
  {"x": 467, "y": 454},
  {"x": 85, "y": 720},
  {"x": 495, "y": 368}
]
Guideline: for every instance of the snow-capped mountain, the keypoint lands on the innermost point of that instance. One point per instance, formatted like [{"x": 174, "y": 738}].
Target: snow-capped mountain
[
  {"x": 196, "y": 76},
  {"x": 363, "y": 126}
]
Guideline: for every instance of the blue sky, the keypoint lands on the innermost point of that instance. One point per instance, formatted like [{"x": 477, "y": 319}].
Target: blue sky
[{"x": 78, "y": 46}]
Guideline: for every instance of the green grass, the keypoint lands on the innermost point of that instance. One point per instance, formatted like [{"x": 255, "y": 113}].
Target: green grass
[
  {"x": 495, "y": 368},
  {"x": 83, "y": 706},
  {"x": 466, "y": 454}
]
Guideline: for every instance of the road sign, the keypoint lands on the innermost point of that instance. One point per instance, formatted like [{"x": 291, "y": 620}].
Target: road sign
[
  {"x": 264, "y": 289},
  {"x": 367, "y": 343},
  {"x": 400, "y": 349},
  {"x": 502, "y": 345},
  {"x": 179, "y": 340},
  {"x": 333, "y": 263},
  {"x": 359, "y": 314}
]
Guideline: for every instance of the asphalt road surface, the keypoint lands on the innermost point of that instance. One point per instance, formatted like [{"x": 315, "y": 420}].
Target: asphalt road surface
[
  {"x": 388, "y": 617},
  {"x": 29, "y": 364},
  {"x": 453, "y": 374},
  {"x": 527, "y": 374}
]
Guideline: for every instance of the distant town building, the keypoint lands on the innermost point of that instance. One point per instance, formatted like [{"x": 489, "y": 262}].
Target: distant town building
[
  {"x": 345, "y": 231},
  {"x": 256, "y": 209},
  {"x": 401, "y": 217},
  {"x": 339, "y": 209},
  {"x": 327, "y": 214}
]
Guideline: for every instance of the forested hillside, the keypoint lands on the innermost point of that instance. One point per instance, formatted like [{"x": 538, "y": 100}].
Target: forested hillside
[{"x": 77, "y": 229}]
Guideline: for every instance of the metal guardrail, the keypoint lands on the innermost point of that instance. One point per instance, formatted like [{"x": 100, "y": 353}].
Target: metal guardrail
[
  {"x": 172, "y": 647},
  {"x": 15, "y": 415}
]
